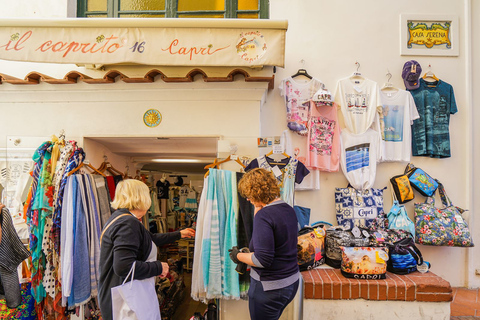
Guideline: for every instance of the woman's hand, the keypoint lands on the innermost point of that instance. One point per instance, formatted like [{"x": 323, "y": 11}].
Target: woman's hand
[
  {"x": 1, "y": 206},
  {"x": 187, "y": 233},
  {"x": 165, "y": 269}
]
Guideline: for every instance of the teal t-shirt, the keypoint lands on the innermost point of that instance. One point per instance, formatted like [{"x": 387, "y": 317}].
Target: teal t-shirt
[{"x": 435, "y": 102}]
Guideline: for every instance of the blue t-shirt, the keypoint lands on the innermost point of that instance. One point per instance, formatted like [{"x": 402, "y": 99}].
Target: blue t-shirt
[{"x": 435, "y": 102}]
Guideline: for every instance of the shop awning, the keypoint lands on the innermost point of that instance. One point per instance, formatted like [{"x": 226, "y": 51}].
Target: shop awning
[{"x": 160, "y": 42}]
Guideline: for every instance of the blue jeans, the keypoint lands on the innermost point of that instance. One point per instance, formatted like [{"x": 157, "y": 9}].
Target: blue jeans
[{"x": 269, "y": 305}]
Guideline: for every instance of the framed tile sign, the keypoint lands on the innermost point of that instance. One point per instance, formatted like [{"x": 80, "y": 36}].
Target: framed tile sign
[{"x": 429, "y": 35}]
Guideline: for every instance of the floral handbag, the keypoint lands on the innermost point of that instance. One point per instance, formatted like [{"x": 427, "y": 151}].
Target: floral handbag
[{"x": 441, "y": 226}]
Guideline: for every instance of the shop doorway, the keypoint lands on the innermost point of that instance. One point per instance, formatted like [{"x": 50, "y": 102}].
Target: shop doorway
[{"x": 178, "y": 162}]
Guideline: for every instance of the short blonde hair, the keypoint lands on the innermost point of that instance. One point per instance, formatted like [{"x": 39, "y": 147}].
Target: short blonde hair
[
  {"x": 259, "y": 185},
  {"x": 131, "y": 194}
]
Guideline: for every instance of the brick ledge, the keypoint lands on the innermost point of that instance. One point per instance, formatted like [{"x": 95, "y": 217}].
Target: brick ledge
[{"x": 323, "y": 283}]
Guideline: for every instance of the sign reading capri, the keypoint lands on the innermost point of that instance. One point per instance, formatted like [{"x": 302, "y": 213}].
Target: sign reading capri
[{"x": 149, "y": 46}]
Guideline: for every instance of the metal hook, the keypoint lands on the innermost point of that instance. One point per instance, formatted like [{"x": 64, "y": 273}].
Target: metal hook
[
  {"x": 389, "y": 75},
  {"x": 303, "y": 63},
  {"x": 105, "y": 158},
  {"x": 357, "y": 64}
]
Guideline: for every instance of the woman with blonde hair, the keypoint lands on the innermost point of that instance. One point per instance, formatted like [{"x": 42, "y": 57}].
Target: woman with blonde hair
[
  {"x": 273, "y": 248},
  {"x": 125, "y": 241}
]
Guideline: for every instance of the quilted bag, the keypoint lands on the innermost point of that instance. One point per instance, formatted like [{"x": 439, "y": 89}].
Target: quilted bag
[
  {"x": 311, "y": 247},
  {"x": 364, "y": 262},
  {"x": 337, "y": 237},
  {"x": 404, "y": 257},
  {"x": 361, "y": 208},
  {"x": 402, "y": 188},
  {"x": 441, "y": 226},
  {"x": 421, "y": 181}
]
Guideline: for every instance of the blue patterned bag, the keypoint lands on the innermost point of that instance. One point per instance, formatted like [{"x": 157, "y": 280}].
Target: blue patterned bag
[
  {"x": 441, "y": 226},
  {"x": 421, "y": 181},
  {"x": 398, "y": 218},
  {"x": 361, "y": 208}
]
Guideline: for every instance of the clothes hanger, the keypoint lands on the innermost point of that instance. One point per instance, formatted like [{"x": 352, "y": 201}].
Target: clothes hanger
[
  {"x": 357, "y": 74},
  {"x": 429, "y": 76},
  {"x": 86, "y": 164},
  {"x": 388, "y": 86},
  {"x": 276, "y": 161},
  {"x": 108, "y": 167},
  {"x": 302, "y": 71},
  {"x": 216, "y": 163}
]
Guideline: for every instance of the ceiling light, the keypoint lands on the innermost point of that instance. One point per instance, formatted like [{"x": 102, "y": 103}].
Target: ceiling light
[{"x": 179, "y": 160}]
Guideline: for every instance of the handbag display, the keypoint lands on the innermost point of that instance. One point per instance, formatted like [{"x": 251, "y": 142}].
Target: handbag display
[
  {"x": 404, "y": 257},
  {"x": 441, "y": 226},
  {"x": 402, "y": 188},
  {"x": 360, "y": 208},
  {"x": 311, "y": 247},
  {"x": 421, "y": 181},
  {"x": 364, "y": 262},
  {"x": 337, "y": 237},
  {"x": 135, "y": 300},
  {"x": 398, "y": 218}
]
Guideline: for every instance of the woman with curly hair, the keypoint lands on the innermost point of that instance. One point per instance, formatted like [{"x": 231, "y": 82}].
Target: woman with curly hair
[{"x": 273, "y": 247}]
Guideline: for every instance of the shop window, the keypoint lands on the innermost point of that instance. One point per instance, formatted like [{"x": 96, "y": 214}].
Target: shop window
[{"x": 244, "y": 9}]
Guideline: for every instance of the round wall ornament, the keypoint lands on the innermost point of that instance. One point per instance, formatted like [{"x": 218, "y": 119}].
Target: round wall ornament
[{"x": 152, "y": 118}]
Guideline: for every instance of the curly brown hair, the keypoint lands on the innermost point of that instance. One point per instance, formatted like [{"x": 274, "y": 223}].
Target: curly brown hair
[{"x": 259, "y": 185}]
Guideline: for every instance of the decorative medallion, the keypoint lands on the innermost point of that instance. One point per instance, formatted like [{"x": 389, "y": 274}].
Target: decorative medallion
[
  {"x": 251, "y": 46},
  {"x": 152, "y": 118}
]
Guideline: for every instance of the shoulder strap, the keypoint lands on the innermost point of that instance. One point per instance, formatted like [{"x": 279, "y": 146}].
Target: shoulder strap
[{"x": 111, "y": 222}]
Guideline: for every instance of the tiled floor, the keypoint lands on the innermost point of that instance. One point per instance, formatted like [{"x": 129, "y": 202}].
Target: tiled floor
[{"x": 465, "y": 304}]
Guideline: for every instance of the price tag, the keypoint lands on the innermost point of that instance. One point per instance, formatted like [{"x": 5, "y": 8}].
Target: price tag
[
  {"x": 357, "y": 88},
  {"x": 277, "y": 149},
  {"x": 356, "y": 232},
  {"x": 276, "y": 171},
  {"x": 233, "y": 157},
  {"x": 423, "y": 268},
  {"x": 365, "y": 234},
  {"x": 459, "y": 218}
]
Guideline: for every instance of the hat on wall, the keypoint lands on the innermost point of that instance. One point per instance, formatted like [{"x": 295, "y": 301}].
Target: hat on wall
[
  {"x": 323, "y": 97},
  {"x": 411, "y": 73}
]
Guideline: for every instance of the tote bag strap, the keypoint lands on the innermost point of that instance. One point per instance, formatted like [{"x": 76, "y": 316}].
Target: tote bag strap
[
  {"x": 130, "y": 275},
  {"x": 443, "y": 195},
  {"x": 409, "y": 167},
  {"x": 111, "y": 222},
  {"x": 394, "y": 196}
]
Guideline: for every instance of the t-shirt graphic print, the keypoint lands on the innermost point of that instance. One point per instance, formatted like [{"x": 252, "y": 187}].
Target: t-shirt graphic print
[
  {"x": 393, "y": 118},
  {"x": 358, "y": 156}
]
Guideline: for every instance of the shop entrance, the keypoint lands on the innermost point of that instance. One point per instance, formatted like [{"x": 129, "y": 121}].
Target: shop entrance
[{"x": 175, "y": 165}]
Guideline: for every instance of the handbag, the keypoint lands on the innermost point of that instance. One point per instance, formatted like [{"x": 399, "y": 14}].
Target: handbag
[
  {"x": 336, "y": 238},
  {"x": 136, "y": 300},
  {"x": 361, "y": 208},
  {"x": 398, "y": 218},
  {"x": 404, "y": 257},
  {"x": 402, "y": 188},
  {"x": 441, "y": 226},
  {"x": 421, "y": 181},
  {"x": 364, "y": 262},
  {"x": 311, "y": 246}
]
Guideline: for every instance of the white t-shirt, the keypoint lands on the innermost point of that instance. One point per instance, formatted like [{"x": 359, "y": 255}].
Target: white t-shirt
[
  {"x": 296, "y": 146},
  {"x": 297, "y": 93},
  {"x": 359, "y": 156},
  {"x": 358, "y": 99},
  {"x": 399, "y": 111}
]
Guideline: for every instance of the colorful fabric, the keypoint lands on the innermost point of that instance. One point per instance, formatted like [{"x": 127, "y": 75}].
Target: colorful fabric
[
  {"x": 360, "y": 208},
  {"x": 441, "y": 226},
  {"x": 398, "y": 219},
  {"x": 364, "y": 262},
  {"x": 430, "y": 134},
  {"x": 26, "y": 309}
]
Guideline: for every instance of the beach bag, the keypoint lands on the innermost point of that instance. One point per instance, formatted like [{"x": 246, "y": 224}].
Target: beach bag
[
  {"x": 421, "y": 181},
  {"x": 361, "y": 208},
  {"x": 364, "y": 262},
  {"x": 402, "y": 189},
  {"x": 441, "y": 226},
  {"x": 398, "y": 218},
  {"x": 337, "y": 237},
  {"x": 135, "y": 300},
  {"x": 404, "y": 257},
  {"x": 311, "y": 247}
]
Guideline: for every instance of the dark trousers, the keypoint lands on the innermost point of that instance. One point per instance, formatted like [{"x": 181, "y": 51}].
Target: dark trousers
[{"x": 269, "y": 305}]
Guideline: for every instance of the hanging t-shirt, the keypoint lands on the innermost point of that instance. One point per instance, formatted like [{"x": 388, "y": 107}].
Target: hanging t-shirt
[
  {"x": 291, "y": 171},
  {"x": 360, "y": 153},
  {"x": 183, "y": 193},
  {"x": 323, "y": 138},
  {"x": 399, "y": 111},
  {"x": 297, "y": 94},
  {"x": 358, "y": 99},
  {"x": 162, "y": 189},
  {"x": 435, "y": 102},
  {"x": 296, "y": 146}
]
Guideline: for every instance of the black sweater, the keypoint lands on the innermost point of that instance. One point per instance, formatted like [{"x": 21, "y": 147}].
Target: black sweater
[{"x": 126, "y": 241}]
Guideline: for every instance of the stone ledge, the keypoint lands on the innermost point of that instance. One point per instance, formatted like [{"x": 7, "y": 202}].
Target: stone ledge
[{"x": 323, "y": 283}]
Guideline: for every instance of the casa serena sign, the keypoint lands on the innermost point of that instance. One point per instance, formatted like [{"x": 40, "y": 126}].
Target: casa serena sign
[
  {"x": 434, "y": 34},
  {"x": 148, "y": 46}
]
